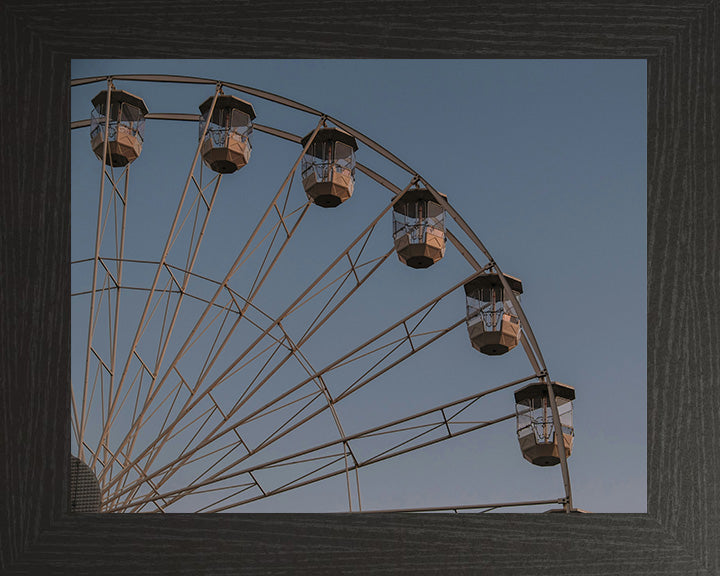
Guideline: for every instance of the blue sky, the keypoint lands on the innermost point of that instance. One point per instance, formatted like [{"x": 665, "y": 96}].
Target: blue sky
[{"x": 545, "y": 160}]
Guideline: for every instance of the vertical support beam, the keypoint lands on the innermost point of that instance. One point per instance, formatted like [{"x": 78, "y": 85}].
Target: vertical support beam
[
  {"x": 118, "y": 274},
  {"x": 98, "y": 239}
]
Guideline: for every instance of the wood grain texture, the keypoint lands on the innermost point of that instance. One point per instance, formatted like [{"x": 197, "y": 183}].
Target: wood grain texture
[{"x": 681, "y": 533}]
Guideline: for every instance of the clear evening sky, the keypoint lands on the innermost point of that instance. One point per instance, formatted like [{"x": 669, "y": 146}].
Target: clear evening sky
[{"x": 545, "y": 160}]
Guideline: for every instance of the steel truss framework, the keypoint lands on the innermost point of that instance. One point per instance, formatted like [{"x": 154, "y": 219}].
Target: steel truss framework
[{"x": 159, "y": 431}]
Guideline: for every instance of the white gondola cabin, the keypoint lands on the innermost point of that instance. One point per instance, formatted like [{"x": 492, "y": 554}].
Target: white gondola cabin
[
  {"x": 126, "y": 125},
  {"x": 419, "y": 228},
  {"x": 536, "y": 429},
  {"x": 226, "y": 145},
  {"x": 493, "y": 325},
  {"x": 328, "y": 167}
]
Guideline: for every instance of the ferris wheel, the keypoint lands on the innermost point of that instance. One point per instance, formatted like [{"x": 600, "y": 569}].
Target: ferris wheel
[{"x": 238, "y": 325}]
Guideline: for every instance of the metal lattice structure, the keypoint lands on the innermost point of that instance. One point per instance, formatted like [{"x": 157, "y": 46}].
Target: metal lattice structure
[{"x": 192, "y": 390}]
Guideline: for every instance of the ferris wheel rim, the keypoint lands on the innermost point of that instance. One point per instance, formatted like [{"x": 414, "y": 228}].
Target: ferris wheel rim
[{"x": 541, "y": 370}]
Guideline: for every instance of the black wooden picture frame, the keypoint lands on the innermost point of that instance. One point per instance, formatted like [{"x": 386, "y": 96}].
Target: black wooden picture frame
[{"x": 679, "y": 535}]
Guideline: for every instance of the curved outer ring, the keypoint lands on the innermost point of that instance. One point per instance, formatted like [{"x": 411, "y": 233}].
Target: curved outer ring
[{"x": 530, "y": 344}]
